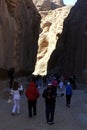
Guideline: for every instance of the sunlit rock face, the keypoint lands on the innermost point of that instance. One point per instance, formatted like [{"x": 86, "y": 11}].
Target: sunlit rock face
[
  {"x": 19, "y": 31},
  {"x": 51, "y": 28},
  {"x": 45, "y": 5},
  {"x": 71, "y": 50}
]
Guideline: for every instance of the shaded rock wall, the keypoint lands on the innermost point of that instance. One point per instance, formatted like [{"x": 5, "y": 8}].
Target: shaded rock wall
[
  {"x": 19, "y": 31},
  {"x": 71, "y": 50}
]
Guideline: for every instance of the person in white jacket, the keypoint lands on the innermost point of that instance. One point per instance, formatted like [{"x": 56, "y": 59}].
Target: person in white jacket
[{"x": 16, "y": 98}]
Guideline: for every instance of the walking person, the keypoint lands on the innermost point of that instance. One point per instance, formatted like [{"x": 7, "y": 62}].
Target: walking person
[
  {"x": 50, "y": 98},
  {"x": 32, "y": 95},
  {"x": 68, "y": 94},
  {"x": 16, "y": 98}
]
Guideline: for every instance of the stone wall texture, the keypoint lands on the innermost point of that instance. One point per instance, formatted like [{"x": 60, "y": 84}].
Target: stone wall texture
[
  {"x": 70, "y": 55},
  {"x": 45, "y": 5},
  {"x": 19, "y": 32},
  {"x": 51, "y": 26}
]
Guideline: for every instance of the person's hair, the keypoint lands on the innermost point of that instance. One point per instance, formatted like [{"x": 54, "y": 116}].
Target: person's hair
[{"x": 15, "y": 85}]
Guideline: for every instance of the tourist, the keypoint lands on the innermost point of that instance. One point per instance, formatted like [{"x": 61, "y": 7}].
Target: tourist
[
  {"x": 68, "y": 94},
  {"x": 11, "y": 74},
  {"x": 16, "y": 98},
  {"x": 50, "y": 99},
  {"x": 32, "y": 95}
]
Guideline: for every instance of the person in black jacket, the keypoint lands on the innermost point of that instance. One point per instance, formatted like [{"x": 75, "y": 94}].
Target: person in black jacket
[{"x": 50, "y": 98}]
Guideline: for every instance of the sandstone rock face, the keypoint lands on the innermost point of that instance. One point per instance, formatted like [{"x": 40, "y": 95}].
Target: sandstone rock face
[
  {"x": 51, "y": 27},
  {"x": 56, "y": 3},
  {"x": 71, "y": 50},
  {"x": 42, "y": 5},
  {"x": 45, "y": 5},
  {"x": 19, "y": 31}
]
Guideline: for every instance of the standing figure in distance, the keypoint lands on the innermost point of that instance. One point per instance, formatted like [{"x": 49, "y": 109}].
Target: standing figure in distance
[
  {"x": 68, "y": 94},
  {"x": 50, "y": 98},
  {"x": 32, "y": 95},
  {"x": 11, "y": 73}
]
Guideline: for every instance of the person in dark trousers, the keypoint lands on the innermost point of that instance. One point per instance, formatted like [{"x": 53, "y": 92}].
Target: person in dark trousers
[
  {"x": 32, "y": 95},
  {"x": 11, "y": 73},
  {"x": 50, "y": 99},
  {"x": 68, "y": 94}
]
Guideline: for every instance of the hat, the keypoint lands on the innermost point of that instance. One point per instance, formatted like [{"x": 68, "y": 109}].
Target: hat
[
  {"x": 49, "y": 84},
  {"x": 68, "y": 83}
]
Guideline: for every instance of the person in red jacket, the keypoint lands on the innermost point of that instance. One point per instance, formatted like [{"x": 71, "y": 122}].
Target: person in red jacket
[{"x": 32, "y": 95}]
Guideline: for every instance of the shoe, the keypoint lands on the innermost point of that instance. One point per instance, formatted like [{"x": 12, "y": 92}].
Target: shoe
[
  {"x": 49, "y": 123},
  {"x": 68, "y": 105},
  {"x": 34, "y": 114},
  {"x": 18, "y": 113},
  {"x": 30, "y": 116},
  {"x": 52, "y": 122},
  {"x": 13, "y": 114}
]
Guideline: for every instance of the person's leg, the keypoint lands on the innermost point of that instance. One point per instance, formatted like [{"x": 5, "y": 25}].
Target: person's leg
[
  {"x": 30, "y": 108},
  {"x": 18, "y": 106},
  {"x": 34, "y": 107},
  {"x": 14, "y": 107},
  {"x": 47, "y": 113},
  {"x": 68, "y": 100},
  {"x": 52, "y": 107}
]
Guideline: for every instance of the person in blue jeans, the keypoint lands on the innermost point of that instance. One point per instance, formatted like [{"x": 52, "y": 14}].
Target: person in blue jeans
[
  {"x": 50, "y": 99},
  {"x": 68, "y": 94}
]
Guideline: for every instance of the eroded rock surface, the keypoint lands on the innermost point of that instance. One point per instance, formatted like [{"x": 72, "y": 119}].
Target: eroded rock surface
[
  {"x": 51, "y": 27},
  {"x": 45, "y": 5},
  {"x": 71, "y": 50},
  {"x": 19, "y": 31}
]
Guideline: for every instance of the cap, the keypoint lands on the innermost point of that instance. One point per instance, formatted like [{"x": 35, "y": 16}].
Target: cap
[
  {"x": 68, "y": 83},
  {"x": 49, "y": 84}
]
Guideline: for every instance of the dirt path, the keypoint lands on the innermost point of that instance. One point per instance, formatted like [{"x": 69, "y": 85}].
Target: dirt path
[{"x": 73, "y": 118}]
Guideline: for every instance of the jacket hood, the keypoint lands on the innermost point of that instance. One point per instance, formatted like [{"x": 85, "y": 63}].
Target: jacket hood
[{"x": 32, "y": 84}]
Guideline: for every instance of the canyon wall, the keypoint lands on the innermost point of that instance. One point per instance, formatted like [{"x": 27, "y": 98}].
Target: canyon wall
[
  {"x": 19, "y": 32},
  {"x": 45, "y": 5},
  {"x": 51, "y": 27},
  {"x": 70, "y": 55}
]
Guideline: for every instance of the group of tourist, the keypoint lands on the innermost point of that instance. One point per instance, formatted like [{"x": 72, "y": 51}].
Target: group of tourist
[{"x": 32, "y": 94}]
